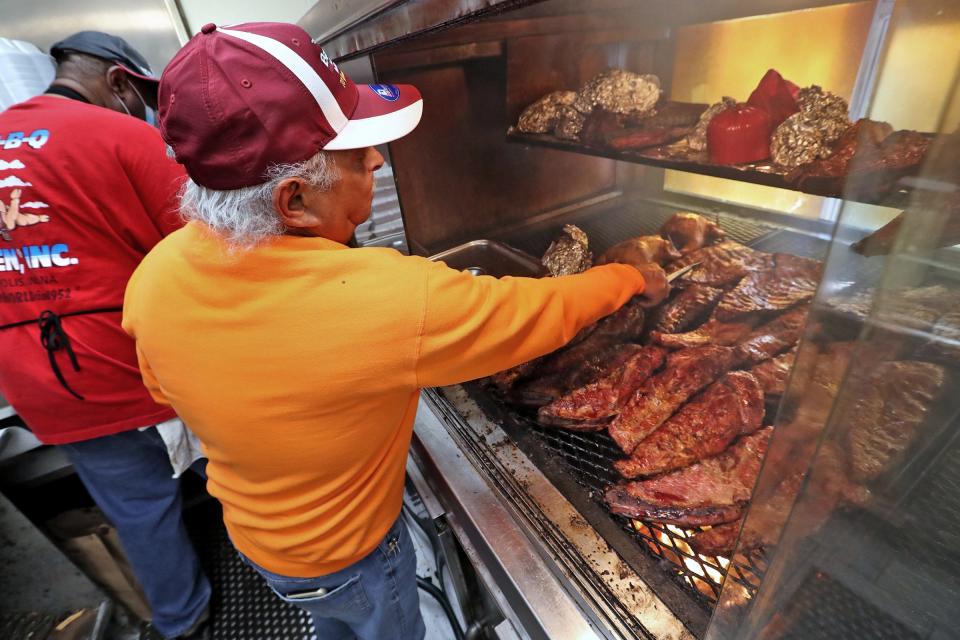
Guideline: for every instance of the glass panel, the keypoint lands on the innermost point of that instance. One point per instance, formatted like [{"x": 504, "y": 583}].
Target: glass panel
[{"x": 857, "y": 509}]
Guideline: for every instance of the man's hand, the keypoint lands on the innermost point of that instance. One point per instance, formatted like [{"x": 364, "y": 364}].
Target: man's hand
[{"x": 657, "y": 288}]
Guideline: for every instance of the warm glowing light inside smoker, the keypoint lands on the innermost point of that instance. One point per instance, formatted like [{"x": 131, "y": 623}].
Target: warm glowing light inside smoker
[{"x": 675, "y": 538}]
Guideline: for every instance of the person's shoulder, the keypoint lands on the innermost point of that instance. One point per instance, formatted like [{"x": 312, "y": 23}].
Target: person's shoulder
[{"x": 390, "y": 258}]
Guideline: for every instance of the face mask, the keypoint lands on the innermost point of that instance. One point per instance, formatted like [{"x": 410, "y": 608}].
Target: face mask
[{"x": 150, "y": 115}]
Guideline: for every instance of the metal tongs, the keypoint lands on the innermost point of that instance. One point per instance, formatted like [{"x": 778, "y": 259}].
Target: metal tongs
[{"x": 682, "y": 272}]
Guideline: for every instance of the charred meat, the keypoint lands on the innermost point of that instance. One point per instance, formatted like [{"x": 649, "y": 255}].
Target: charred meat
[
  {"x": 713, "y": 332},
  {"x": 892, "y": 404},
  {"x": 685, "y": 309},
  {"x": 773, "y": 374},
  {"x": 722, "y": 264},
  {"x": 690, "y": 231},
  {"x": 575, "y": 366},
  {"x": 710, "y": 492},
  {"x": 597, "y": 402},
  {"x": 686, "y": 372},
  {"x": 791, "y": 281},
  {"x": 773, "y": 338},
  {"x": 704, "y": 427},
  {"x": 719, "y": 540}
]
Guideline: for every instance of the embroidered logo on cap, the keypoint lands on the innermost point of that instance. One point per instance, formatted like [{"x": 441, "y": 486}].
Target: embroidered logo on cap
[{"x": 386, "y": 91}]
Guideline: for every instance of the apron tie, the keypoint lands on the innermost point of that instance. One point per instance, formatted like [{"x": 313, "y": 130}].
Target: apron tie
[{"x": 54, "y": 338}]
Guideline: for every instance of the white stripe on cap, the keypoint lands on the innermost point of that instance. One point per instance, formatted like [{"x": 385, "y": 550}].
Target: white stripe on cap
[{"x": 303, "y": 72}]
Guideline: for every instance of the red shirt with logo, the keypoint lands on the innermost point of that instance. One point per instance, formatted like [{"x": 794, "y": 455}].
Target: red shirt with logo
[{"x": 85, "y": 193}]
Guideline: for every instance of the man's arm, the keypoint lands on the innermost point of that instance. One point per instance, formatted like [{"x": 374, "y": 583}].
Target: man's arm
[
  {"x": 150, "y": 381},
  {"x": 476, "y": 326}
]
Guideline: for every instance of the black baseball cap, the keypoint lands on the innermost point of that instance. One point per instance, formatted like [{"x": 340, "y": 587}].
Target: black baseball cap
[{"x": 108, "y": 47}]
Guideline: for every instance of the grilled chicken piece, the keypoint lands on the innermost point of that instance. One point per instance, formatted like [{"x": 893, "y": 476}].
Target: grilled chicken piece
[
  {"x": 687, "y": 372},
  {"x": 641, "y": 250},
  {"x": 690, "y": 231},
  {"x": 710, "y": 492},
  {"x": 594, "y": 404},
  {"x": 722, "y": 264},
  {"x": 772, "y": 374},
  {"x": 712, "y": 332},
  {"x": 892, "y": 404},
  {"x": 685, "y": 309},
  {"x": 730, "y": 407},
  {"x": 791, "y": 281},
  {"x": 773, "y": 338},
  {"x": 575, "y": 366}
]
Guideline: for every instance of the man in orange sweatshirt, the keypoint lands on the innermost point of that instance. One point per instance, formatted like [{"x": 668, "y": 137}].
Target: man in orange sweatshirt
[{"x": 296, "y": 360}]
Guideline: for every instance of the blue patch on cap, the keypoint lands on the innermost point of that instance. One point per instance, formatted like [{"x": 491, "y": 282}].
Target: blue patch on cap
[{"x": 386, "y": 91}]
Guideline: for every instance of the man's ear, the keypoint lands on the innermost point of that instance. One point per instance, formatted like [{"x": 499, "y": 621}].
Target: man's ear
[
  {"x": 116, "y": 80},
  {"x": 288, "y": 201}
]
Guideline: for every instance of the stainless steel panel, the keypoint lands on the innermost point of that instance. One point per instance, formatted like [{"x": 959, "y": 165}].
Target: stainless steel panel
[{"x": 145, "y": 24}]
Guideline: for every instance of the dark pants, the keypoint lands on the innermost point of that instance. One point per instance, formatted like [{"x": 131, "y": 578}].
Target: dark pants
[
  {"x": 373, "y": 599},
  {"x": 129, "y": 477}
]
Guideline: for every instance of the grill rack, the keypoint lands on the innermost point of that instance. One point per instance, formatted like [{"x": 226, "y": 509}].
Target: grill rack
[{"x": 588, "y": 457}]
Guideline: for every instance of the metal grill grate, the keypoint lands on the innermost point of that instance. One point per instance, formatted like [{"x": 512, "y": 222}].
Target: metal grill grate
[
  {"x": 607, "y": 228},
  {"x": 824, "y": 609},
  {"x": 588, "y": 458}
]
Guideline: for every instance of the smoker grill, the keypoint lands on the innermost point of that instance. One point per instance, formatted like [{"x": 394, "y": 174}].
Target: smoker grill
[{"x": 526, "y": 501}]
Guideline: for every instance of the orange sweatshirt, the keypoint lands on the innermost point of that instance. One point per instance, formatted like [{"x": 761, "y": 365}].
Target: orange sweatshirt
[{"x": 298, "y": 364}]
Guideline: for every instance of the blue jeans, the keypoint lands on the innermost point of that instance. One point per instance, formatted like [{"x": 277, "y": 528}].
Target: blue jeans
[
  {"x": 373, "y": 599},
  {"x": 129, "y": 477}
]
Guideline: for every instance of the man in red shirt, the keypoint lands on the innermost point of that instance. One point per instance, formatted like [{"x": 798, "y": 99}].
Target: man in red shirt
[{"x": 86, "y": 190}]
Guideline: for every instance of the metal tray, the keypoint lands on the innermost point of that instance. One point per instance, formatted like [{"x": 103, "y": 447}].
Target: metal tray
[{"x": 491, "y": 258}]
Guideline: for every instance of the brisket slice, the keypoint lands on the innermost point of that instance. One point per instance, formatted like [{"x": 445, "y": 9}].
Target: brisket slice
[
  {"x": 791, "y": 281},
  {"x": 685, "y": 309},
  {"x": 712, "y": 332},
  {"x": 721, "y": 264},
  {"x": 597, "y": 402},
  {"x": 772, "y": 338},
  {"x": 686, "y": 372},
  {"x": 710, "y": 492},
  {"x": 892, "y": 404},
  {"x": 705, "y": 426},
  {"x": 773, "y": 374}
]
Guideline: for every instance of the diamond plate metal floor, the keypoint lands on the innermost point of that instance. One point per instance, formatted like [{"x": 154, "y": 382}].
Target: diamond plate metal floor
[{"x": 243, "y": 606}]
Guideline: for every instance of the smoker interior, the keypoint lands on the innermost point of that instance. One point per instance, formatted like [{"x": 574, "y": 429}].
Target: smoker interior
[{"x": 581, "y": 463}]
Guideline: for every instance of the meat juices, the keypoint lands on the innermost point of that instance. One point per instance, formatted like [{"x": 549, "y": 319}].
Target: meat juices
[
  {"x": 598, "y": 401},
  {"x": 710, "y": 492},
  {"x": 687, "y": 372},
  {"x": 704, "y": 427}
]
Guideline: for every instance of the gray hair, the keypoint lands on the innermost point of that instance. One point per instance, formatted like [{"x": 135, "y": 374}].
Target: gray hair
[{"x": 246, "y": 216}]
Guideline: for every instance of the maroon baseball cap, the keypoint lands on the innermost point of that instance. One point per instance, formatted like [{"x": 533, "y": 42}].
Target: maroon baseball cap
[{"x": 236, "y": 100}]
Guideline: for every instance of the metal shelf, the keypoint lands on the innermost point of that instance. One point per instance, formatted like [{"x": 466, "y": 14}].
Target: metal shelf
[{"x": 862, "y": 188}]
